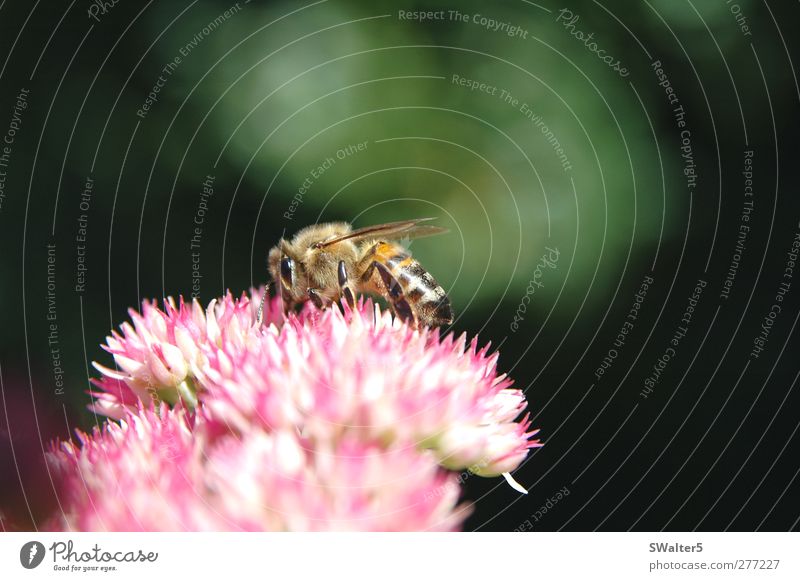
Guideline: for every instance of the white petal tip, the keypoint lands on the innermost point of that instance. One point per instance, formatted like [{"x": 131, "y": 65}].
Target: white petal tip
[{"x": 513, "y": 483}]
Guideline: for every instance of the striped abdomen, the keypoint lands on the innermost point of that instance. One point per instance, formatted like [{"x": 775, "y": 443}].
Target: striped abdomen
[{"x": 427, "y": 300}]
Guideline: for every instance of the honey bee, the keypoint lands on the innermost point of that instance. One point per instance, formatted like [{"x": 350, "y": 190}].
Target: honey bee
[{"x": 324, "y": 263}]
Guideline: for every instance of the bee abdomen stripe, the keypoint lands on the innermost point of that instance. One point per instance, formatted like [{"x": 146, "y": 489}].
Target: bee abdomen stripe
[
  {"x": 415, "y": 293},
  {"x": 398, "y": 260},
  {"x": 414, "y": 276},
  {"x": 415, "y": 269}
]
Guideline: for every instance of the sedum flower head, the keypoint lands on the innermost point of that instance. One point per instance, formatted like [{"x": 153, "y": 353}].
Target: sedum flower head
[
  {"x": 160, "y": 470},
  {"x": 322, "y": 420},
  {"x": 367, "y": 374},
  {"x": 154, "y": 355}
]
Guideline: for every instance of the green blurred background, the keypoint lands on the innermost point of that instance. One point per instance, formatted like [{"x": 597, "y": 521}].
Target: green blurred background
[{"x": 265, "y": 93}]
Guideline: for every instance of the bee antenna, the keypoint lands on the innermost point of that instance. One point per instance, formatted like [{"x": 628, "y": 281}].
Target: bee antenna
[{"x": 260, "y": 316}]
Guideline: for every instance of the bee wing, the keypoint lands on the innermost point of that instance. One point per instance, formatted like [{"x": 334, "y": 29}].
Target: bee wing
[
  {"x": 389, "y": 231},
  {"x": 419, "y": 232}
]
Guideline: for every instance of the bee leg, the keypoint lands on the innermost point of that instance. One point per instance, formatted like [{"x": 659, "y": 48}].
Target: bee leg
[
  {"x": 344, "y": 288},
  {"x": 316, "y": 298},
  {"x": 394, "y": 293}
]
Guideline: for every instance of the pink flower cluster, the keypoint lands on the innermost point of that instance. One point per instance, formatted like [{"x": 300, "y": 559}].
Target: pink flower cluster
[{"x": 324, "y": 420}]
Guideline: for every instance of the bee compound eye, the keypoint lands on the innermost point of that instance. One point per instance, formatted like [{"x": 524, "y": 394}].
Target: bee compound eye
[{"x": 287, "y": 270}]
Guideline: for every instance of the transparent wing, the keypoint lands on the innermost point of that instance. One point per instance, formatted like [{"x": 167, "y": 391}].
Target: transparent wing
[{"x": 389, "y": 231}]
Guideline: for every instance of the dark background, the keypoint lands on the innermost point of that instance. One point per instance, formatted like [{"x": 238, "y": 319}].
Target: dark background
[{"x": 272, "y": 91}]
